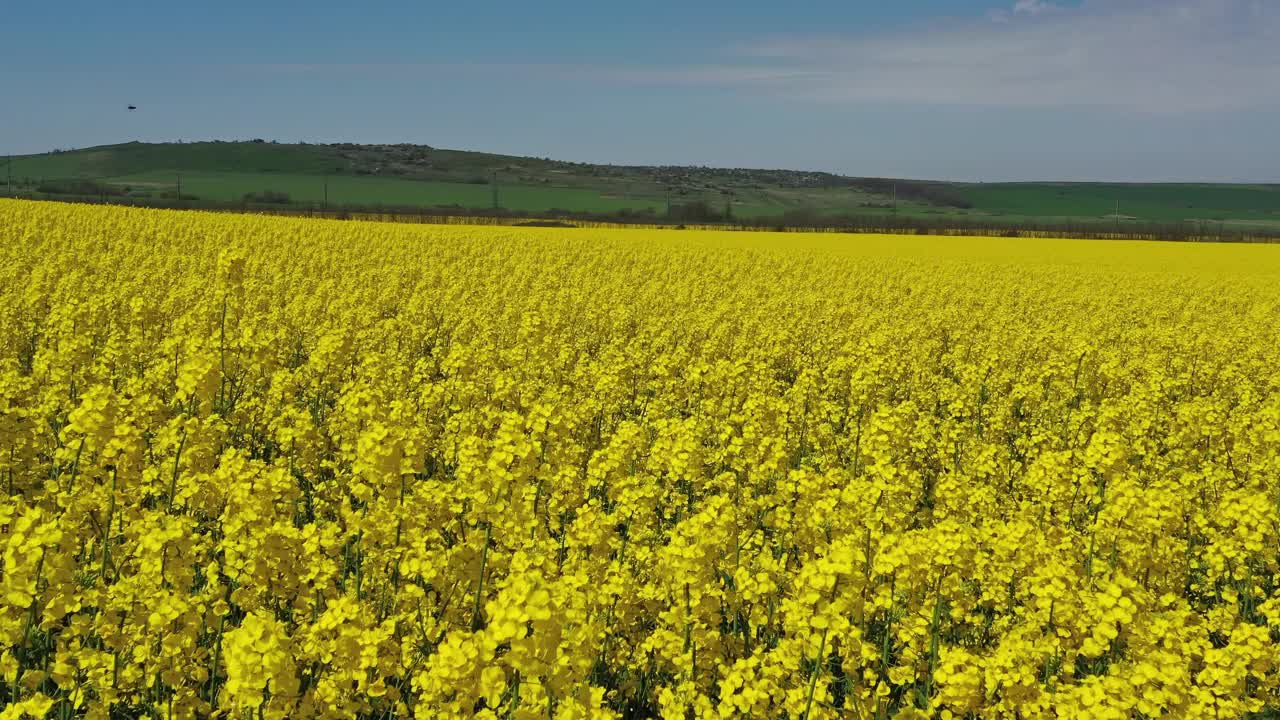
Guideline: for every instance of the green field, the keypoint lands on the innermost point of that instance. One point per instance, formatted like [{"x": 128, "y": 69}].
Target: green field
[
  {"x": 231, "y": 186},
  {"x": 1162, "y": 202},
  {"x": 228, "y": 171},
  {"x": 425, "y": 177}
]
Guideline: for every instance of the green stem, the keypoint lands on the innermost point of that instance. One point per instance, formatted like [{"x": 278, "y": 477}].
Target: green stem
[
  {"x": 106, "y": 535},
  {"x": 173, "y": 481},
  {"x": 484, "y": 561},
  {"x": 222, "y": 353},
  {"x": 75, "y": 468},
  {"x": 933, "y": 647},
  {"x": 813, "y": 674},
  {"x": 887, "y": 645}
]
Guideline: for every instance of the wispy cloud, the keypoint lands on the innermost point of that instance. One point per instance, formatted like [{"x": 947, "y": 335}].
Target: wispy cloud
[
  {"x": 1033, "y": 7},
  {"x": 1022, "y": 7},
  {"x": 1160, "y": 56}
]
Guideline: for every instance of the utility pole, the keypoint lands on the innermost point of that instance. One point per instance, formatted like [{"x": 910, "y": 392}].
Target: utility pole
[
  {"x": 9, "y": 167},
  {"x": 668, "y": 202},
  {"x": 179, "y": 187},
  {"x": 326, "y": 193},
  {"x": 494, "y": 183},
  {"x": 895, "y": 198}
]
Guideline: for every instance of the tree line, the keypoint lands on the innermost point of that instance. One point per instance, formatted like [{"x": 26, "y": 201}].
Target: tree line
[{"x": 695, "y": 213}]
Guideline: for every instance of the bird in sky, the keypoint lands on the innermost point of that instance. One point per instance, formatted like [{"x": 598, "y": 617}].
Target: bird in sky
[{"x": 133, "y": 107}]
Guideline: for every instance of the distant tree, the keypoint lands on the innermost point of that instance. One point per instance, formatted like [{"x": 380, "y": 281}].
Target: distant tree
[{"x": 694, "y": 211}]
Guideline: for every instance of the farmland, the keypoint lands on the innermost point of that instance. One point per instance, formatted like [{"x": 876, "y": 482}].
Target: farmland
[
  {"x": 279, "y": 467},
  {"x": 413, "y": 176},
  {"x": 313, "y": 189}
]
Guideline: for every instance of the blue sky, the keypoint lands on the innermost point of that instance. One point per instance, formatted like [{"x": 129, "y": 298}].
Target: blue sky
[{"x": 954, "y": 89}]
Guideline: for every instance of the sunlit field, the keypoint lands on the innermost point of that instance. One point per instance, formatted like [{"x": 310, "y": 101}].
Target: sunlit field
[{"x": 277, "y": 468}]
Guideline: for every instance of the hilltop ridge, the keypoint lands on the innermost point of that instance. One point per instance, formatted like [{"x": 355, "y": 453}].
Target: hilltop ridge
[{"x": 424, "y": 176}]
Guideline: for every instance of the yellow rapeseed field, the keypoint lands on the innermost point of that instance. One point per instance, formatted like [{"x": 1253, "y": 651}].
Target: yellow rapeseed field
[{"x": 286, "y": 468}]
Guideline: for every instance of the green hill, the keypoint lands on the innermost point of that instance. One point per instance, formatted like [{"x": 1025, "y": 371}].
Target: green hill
[{"x": 425, "y": 177}]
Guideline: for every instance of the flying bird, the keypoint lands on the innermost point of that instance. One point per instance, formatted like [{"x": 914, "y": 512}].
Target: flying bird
[{"x": 133, "y": 107}]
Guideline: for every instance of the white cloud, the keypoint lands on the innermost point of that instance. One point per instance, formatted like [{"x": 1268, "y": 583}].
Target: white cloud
[
  {"x": 1033, "y": 7},
  {"x": 1164, "y": 56}
]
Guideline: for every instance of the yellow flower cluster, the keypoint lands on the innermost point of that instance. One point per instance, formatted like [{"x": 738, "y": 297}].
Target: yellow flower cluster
[{"x": 289, "y": 468}]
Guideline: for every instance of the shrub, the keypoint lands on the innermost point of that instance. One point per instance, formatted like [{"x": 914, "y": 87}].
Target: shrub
[
  {"x": 78, "y": 187},
  {"x": 269, "y": 197}
]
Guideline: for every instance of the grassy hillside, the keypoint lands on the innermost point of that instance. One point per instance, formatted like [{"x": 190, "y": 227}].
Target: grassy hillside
[
  {"x": 422, "y": 176},
  {"x": 427, "y": 177}
]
